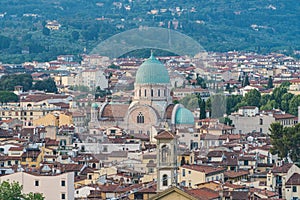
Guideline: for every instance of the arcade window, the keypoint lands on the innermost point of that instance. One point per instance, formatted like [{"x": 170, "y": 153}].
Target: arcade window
[{"x": 140, "y": 118}]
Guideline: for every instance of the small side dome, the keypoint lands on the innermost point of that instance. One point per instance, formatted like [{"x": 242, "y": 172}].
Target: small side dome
[
  {"x": 94, "y": 105},
  {"x": 184, "y": 116}
]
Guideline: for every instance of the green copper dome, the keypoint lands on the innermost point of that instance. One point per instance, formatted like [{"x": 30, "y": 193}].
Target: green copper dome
[
  {"x": 152, "y": 71},
  {"x": 184, "y": 116}
]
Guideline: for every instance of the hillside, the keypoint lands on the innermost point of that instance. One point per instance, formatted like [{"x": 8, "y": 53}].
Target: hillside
[{"x": 252, "y": 25}]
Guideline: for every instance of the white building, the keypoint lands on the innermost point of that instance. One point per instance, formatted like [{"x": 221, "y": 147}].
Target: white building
[
  {"x": 92, "y": 78},
  {"x": 248, "y": 120},
  {"x": 60, "y": 186}
]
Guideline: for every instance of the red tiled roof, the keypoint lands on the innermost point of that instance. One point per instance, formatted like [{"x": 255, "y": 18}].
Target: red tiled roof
[
  {"x": 41, "y": 97},
  {"x": 204, "y": 168},
  {"x": 16, "y": 149},
  {"x": 234, "y": 186},
  {"x": 203, "y": 193},
  {"x": 283, "y": 116},
  {"x": 233, "y": 174},
  {"x": 4, "y": 158},
  {"x": 165, "y": 135},
  {"x": 115, "y": 111},
  {"x": 294, "y": 180},
  {"x": 282, "y": 169}
]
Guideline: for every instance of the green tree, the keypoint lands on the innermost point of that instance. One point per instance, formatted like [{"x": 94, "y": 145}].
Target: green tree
[
  {"x": 285, "y": 101},
  {"x": 285, "y": 141},
  {"x": 294, "y": 147},
  {"x": 202, "y": 106},
  {"x": 293, "y": 105},
  {"x": 285, "y": 84},
  {"x": 226, "y": 120},
  {"x": 10, "y": 191},
  {"x": 8, "y": 82},
  {"x": 99, "y": 93},
  {"x": 277, "y": 95},
  {"x": 278, "y": 140},
  {"x": 200, "y": 82},
  {"x": 231, "y": 103},
  {"x": 246, "y": 81},
  {"x": 34, "y": 196},
  {"x": 47, "y": 85},
  {"x": 270, "y": 82},
  {"x": 264, "y": 99},
  {"x": 252, "y": 98},
  {"x": 6, "y": 96},
  {"x": 46, "y": 31},
  {"x": 75, "y": 35},
  {"x": 208, "y": 105},
  {"x": 13, "y": 191},
  {"x": 192, "y": 104},
  {"x": 4, "y": 42},
  {"x": 269, "y": 105}
]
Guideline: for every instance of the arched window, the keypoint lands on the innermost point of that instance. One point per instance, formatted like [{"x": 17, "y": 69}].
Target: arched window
[
  {"x": 145, "y": 93},
  {"x": 140, "y": 118},
  {"x": 151, "y": 92},
  {"x": 165, "y": 92},
  {"x": 165, "y": 180},
  {"x": 140, "y": 92},
  {"x": 164, "y": 153},
  {"x": 158, "y": 92}
]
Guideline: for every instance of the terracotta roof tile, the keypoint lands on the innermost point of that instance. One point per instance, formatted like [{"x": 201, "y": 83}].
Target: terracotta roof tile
[
  {"x": 294, "y": 180},
  {"x": 115, "y": 111},
  {"x": 16, "y": 149},
  {"x": 203, "y": 193},
  {"x": 205, "y": 168},
  {"x": 165, "y": 135},
  {"x": 233, "y": 174},
  {"x": 282, "y": 169}
]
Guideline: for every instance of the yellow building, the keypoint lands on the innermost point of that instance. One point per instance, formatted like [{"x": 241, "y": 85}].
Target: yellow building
[
  {"x": 186, "y": 158},
  {"x": 94, "y": 175},
  {"x": 192, "y": 175},
  {"x": 32, "y": 158},
  {"x": 54, "y": 119}
]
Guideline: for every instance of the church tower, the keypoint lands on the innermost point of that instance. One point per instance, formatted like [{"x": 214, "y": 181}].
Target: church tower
[
  {"x": 166, "y": 160},
  {"x": 94, "y": 123},
  {"x": 94, "y": 112}
]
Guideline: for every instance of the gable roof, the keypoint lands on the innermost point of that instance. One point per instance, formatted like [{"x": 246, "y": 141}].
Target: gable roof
[
  {"x": 164, "y": 194},
  {"x": 205, "y": 168},
  {"x": 282, "y": 169},
  {"x": 165, "y": 135},
  {"x": 203, "y": 193},
  {"x": 294, "y": 180}
]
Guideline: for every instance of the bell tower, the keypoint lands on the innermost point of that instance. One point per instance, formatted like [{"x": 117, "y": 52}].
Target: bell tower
[{"x": 166, "y": 160}]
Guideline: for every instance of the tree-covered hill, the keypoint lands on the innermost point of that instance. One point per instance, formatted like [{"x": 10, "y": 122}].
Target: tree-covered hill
[{"x": 248, "y": 25}]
